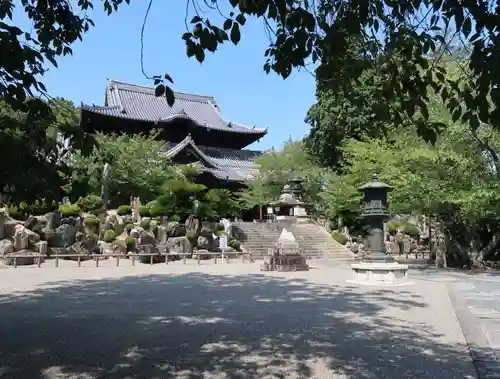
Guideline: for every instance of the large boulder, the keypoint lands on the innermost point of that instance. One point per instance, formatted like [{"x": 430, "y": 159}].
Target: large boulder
[
  {"x": 9, "y": 227},
  {"x": 206, "y": 242},
  {"x": 30, "y": 222},
  {"x": 71, "y": 220},
  {"x": 161, "y": 234},
  {"x": 65, "y": 235},
  {"x": 106, "y": 247},
  {"x": 146, "y": 238},
  {"x": 179, "y": 245},
  {"x": 177, "y": 231},
  {"x": 119, "y": 247},
  {"x": 6, "y": 247},
  {"x": 53, "y": 219},
  {"x": 135, "y": 232},
  {"x": 193, "y": 225},
  {"x": 24, "y": 238},
  {"x": 28, "y": 258},
  {"x": 90, "y": 242}
]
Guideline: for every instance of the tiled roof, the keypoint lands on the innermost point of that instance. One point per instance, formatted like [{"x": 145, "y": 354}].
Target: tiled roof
[
  {"x": 136, "y": 102},
  {"x": 234, "y": 165}
]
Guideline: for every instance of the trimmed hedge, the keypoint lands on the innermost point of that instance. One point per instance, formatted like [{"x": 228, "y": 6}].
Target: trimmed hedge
[{"x": 339, "y": 237}]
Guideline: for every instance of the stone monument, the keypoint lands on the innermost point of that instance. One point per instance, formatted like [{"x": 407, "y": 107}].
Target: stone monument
[{"x": 377, "y": 267}]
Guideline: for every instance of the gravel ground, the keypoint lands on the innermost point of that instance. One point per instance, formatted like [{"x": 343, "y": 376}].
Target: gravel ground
[{"x": 222, "y": 321}]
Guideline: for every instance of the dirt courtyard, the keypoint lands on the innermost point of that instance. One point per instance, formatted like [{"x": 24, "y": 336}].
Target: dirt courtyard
[{"x": 222, "y": 321}]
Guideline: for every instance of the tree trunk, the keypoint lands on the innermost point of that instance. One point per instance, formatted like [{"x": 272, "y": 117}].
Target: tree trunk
[
  {"x": 441, "y": 247},
  {"x": 489, "y": 249}
]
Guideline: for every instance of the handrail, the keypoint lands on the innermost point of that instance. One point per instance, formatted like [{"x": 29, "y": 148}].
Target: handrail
[{"x": 98, "y": 257}]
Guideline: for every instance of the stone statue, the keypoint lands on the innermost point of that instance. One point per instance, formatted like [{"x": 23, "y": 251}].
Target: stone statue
[
  {"x": 104, "y": 186},
  {"x": 393, "y": 245},
  {"x": 196, "y": 207},
  {"x": 406, "y": 244},
  {"x": 228, "y": 226},
  {"x": 440, "y": 244},
  {"x": 399, "y": 242}
]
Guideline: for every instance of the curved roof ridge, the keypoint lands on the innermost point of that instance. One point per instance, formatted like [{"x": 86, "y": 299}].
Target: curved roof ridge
[
  {"x": 188, "y": 141},
  {"x": 140, "y": 103},
  {"x": 96, "y": 107},
  {"x": 151, "y": 90},
  {"x": 230, "y": 123}
]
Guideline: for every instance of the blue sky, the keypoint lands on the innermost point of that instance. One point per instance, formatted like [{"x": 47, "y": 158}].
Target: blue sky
[{"x": 233, "y": 74}]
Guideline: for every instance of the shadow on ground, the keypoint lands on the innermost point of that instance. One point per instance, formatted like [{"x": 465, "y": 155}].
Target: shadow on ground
[{"x": 206, "y": 326}]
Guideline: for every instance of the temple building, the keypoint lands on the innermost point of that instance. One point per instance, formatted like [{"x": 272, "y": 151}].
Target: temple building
[{"x": 194, "y": 130}]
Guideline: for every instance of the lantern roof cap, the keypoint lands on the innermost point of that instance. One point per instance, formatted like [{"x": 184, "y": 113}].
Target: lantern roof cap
[{"x": 375, "y": 183}]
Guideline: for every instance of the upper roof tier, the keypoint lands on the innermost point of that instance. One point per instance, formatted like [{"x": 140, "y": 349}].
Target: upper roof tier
[{"x": 139, "y": 103}]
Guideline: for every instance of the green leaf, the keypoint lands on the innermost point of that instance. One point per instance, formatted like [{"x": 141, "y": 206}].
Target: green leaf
[
  {"x": 467, "y": 26},
  {"x": 169, "y": 78},
  {"x": 235, "y": 34},
  {"x": 160, "y": 90},
  {"x": 227, "y": 24},
  {"x": 190, "y": 48},
  {"x": 241, "y": 19},
  {"x": 200, "y": 54},
  {"x": 170, "y": 96}
]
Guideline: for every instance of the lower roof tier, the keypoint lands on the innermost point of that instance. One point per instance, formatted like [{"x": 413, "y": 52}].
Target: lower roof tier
[
  {"x": 226, "y": 164},
  {"x": 174, "y": 131}
]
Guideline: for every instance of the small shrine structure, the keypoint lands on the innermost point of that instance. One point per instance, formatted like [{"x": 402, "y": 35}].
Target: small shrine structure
[{"x": 290, "y": 204}]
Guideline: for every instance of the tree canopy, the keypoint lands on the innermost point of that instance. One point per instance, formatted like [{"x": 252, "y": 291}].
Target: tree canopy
[
  {"x": 397, "y": 37},
  {"x": 32, "y": 151},
  {"x": 137, "y": 166}
]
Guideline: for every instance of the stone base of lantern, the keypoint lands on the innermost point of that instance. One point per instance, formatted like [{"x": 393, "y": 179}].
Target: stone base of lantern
[{"x": 380, "y": 274}]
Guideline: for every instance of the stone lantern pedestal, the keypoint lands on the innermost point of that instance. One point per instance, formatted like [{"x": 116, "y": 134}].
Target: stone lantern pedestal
[{"x": 378, "y": 267}]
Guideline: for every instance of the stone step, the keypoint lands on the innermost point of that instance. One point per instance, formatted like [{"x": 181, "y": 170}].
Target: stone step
[{"x": 314, "y": 240}]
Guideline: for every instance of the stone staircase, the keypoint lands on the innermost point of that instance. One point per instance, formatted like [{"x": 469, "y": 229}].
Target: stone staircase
[{"x": 313, "y": 239}]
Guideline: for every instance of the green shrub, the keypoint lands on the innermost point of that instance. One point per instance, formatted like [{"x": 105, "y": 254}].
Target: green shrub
[
  {"x": 41, "y": 207},
  {"x": 91, "y": 222},
  {"x": 156, "y": 210},
  {"x": 129, "y": 227},
  {"x": 49, "y": 236},
  {"x": 109, "y": 236},
  {"x": 339, "y": 237},
  {"x": 192, "y": 236},
  {"x": 220, "y": 233},
  {"x": 130, "y": 242},
  {"x": 90, "y": 203},
  {"x": 145, "y": 224},
  {"x": 235, "y": 244},
  {"x": 144, "y": 211},
  {"x": 393, "y": 226},
  {"x": 70, "y": 210},
  {"x": 124, "y": 210},
  {"x": 16, "y": 212},
  {"x": 411, "y": 229},
  {"x": 174, "y": 218}
]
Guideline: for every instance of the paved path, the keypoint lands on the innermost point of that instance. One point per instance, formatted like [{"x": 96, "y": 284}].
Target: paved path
[
  {"x": 224, "y": 321},
  {"x": 476, "y": 298}
]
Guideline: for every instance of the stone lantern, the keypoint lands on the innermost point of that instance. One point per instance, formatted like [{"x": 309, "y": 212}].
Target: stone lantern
[
  {"x": 296, "y": 187},
  {"x": 375, "y": 212},
  {"x": 377, "y": 268}
]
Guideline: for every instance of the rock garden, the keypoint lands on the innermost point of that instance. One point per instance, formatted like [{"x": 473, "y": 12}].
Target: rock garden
[{"x": 85, "y": 229}]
